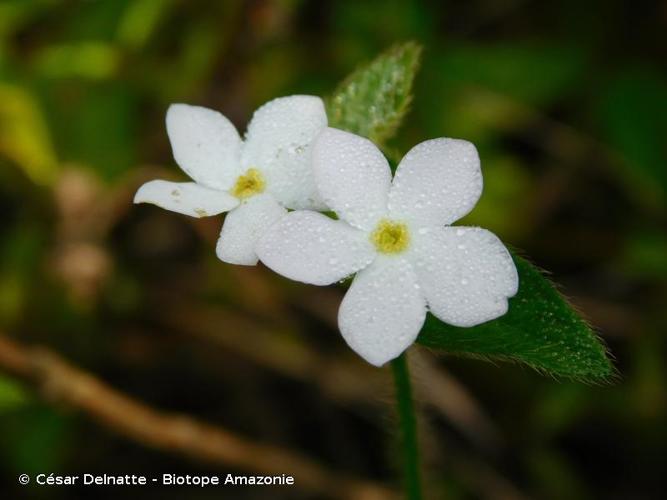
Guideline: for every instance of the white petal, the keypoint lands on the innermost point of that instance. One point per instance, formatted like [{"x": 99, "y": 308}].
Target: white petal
[
  {"x": 244, "y": 226},
  {"x": 383, "y": 311},
  {"x": 278, "y": 143},
  {"x": 437, "y": 182},
  {"x": 352, "y": 176},
  {"x": 466, "y": 274},
  {"x": 205, "y": 144},
  {"x": 312, "y": 248},
  {"x": 186, "y": 198}
]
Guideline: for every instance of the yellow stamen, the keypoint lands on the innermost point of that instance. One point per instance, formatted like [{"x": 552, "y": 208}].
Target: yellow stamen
[
  {"x": 390, "y": 236},
  {"x": 249, "y": 184}
]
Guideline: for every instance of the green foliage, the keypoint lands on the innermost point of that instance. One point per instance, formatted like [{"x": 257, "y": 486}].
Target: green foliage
[
  {"x": 12, "y": 394},
  {"x": 644, "y": 254},
  {"x": 540, "y": 329},
  {"x": 373, "y": 100},
  {"x": 91, "y": 60},
  {"x": 140, "y": 20},
  {"x": 20, "y": 251},
  {"x": 96, "y": 127},
  {"x": 24, "y": 135},
  {"x": 477, "y": 90},
  {"x": 505, "y": 207},
  {"x": 634, "y": 112},
  {"x": 528, "y": 73},
  {"x": 35, "y": 438}
]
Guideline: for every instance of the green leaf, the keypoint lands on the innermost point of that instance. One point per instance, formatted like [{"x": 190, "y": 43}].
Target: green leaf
[
  {"x": 540, "y": 329},
  {"x": 373, "y": 100}
]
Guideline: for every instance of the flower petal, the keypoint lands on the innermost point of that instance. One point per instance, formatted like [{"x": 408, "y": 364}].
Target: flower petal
[
  {"x": 278, "y": 144},
  {"x": 205, "y": 144},
  {"x": 466, "y": 274},
  {"x": 383, "y": 311},
  {"x": 186, "y": 198},
  {"x": 312, "y": 248},
  {"x": 437, "y": 182},
  {"x": 244, "y": 226},
  {"x": 352, "y": 176}
]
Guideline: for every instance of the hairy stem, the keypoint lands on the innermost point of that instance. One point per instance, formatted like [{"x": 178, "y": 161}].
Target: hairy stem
[{"x": 408, "y": 427}]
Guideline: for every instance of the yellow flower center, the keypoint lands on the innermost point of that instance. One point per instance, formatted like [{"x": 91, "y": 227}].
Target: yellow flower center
[
  {"x": 249, "y": 184},
  {"x": 390, "y": 236}
]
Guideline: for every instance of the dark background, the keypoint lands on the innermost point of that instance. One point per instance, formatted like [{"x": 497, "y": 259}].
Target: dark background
[{"x": 567, "y": 104}]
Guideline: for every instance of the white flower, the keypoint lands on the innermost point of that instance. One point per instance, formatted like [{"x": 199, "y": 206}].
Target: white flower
[
  {"x": 256, "y": 179},
  {"x": 395, "y": 235}
]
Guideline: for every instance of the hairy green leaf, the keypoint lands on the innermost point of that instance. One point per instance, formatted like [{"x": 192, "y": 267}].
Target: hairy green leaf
[
  {"x": 540, "y": 329},
  {"x": 373, "y": 100}
]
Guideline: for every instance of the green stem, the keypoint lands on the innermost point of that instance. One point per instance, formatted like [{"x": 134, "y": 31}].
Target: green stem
[{"x": 408, "y": 425}]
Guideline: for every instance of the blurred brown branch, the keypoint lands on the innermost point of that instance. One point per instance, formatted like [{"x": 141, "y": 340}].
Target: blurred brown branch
[
  {"x": 61, "y": 382},
  {"x": 342, "y": 378}
]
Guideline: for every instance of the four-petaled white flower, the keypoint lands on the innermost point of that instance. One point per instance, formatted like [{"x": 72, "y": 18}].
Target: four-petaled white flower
[
  {"x": 396, "y": 237},
  {"x": 256, "y": 179}
]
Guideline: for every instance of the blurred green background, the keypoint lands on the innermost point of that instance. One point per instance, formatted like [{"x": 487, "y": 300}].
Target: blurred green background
[{"x": 567, "y": 104}]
